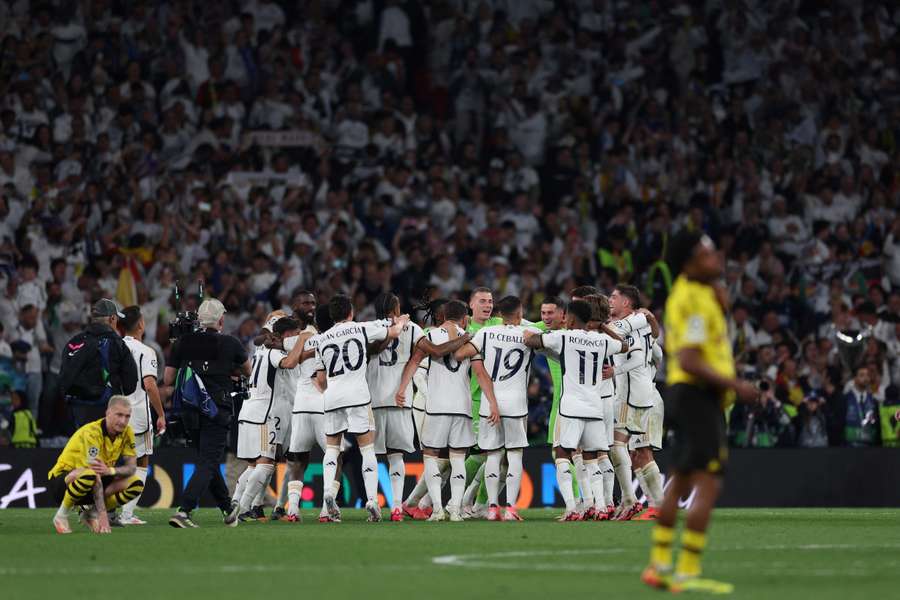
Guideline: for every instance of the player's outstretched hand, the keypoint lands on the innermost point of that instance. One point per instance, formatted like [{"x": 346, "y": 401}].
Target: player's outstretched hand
[
  {"x": 400, "y": 398},
  {"x": 746, "y": 391},
  {"x": 103, "y": 522},
  {"x": 160, "y": 424}
]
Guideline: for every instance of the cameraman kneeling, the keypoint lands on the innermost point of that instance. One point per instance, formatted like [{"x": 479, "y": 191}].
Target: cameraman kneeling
[{"x": 214, "y": 359}]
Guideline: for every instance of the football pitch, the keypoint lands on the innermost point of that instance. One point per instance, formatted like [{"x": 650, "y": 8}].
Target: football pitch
[{"x": 765, "y": 553}]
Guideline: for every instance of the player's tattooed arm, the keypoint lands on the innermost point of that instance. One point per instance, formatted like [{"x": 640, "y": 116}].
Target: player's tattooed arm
[
  {"x": 533, "y": 339},
  {"x": 127, "y": 469},
  {"x": 100, "y": 507},
  {"x": 440, "y": 350},
  {"x": 408, "y": 372}
]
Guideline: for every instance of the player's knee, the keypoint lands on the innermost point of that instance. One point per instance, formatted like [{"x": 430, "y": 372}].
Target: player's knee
[{"x": 135, "y": 485}]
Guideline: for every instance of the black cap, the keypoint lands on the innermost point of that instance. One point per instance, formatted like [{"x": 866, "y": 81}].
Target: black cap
[{"x": 106, "y": 308}]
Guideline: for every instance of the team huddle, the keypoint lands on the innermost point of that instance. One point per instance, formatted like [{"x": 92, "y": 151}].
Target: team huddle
[{"x": 457, "y": 387}]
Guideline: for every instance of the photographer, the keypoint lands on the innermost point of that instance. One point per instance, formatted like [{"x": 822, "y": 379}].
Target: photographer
[
  {"x": 214, "y": 359},
  {"x": 761, "y": 425}
]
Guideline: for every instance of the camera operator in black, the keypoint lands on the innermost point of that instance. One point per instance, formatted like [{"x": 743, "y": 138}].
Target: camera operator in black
[
  {"x": 96, "y": 365},
  {"x": 216, "y": 359}
]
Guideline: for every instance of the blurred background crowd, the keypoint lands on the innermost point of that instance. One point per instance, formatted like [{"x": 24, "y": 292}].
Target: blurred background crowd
[{"x": 530, "y": 146}]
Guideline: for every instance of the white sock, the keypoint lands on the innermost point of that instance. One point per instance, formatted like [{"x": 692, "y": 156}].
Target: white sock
[
  {"x": 471, "y": 493},
  {"x": 642, "y": 483},
  {"x": 329, "y": 468},
  {"x": 256, "y": 482},
  {"x": 128, "y": 508},
  {"x": 622, "y": 464},
  {"x": 584, "y": 481},
  {"x": 596, "y": 479},
  {"x": 335, "y": 488},
  {"x": 564, "y": 481},
  {"x": 370, "y": 472},
  {"x": 418, "y": 492},
  {"x": 654, "y": 479},
  {"x": 432, "y": 477},
  {"x": 283, "y": 489},
  {"x": 241, "y": 484},
  {"x": 295, "y": 492},
  {"x": 63, "y": 512},
  {"x": 609, "y": 479},
  {"x": 513, "y": 476},
  {"x": 492, "y": 476},
  {"x": 457, "y": 479},
  {"x": 397, "y": 469}
]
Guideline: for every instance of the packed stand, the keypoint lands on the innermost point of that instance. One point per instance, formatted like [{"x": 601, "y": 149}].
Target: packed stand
[{"x": 427, "y": 148}]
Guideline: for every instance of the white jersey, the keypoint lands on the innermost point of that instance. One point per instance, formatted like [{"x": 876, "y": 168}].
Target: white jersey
[
  {"x": 386, "y": 370},
  {"x": 581, "y": 356},
  {"x": 307, "y": 397},
  {"x": 448, "y": 381},
  {"x": 341, "y": 353},
  {"x": 634, "y": 386},
  {"x": 508, "y": 362},
  {"x": 147, "y": 366},
  {"x": 263, "y": 386}
]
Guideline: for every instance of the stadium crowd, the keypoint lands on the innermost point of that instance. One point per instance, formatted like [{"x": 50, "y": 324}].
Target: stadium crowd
[{"x": 528, "y": 146}]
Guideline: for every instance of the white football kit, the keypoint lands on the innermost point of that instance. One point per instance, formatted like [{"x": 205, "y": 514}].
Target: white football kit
[
  {"x": 257, "y": 433},
  {"x": 633, "y": 380},
  {"x": 308, "y": 412},
  {"x": 394, "y": 429},
  {"x": 653, "y": 417},
  {"x": 141, "y": 421},
  {"x": 508, "y": 363},
  {"x": 581, "y": 355},
  {"x": 448, "y": 408},
  {"x": 341, "y": 353}
]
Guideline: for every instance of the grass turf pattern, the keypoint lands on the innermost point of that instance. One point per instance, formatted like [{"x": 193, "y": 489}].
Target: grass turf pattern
[{"x": 765, "y": 553}]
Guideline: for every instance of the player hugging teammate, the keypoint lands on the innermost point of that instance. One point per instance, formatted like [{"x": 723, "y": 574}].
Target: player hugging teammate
[{"x": 460, "y": 387}]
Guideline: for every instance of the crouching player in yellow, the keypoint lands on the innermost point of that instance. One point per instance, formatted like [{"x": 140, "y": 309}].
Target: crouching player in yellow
[{"x": 86, "y": 474}]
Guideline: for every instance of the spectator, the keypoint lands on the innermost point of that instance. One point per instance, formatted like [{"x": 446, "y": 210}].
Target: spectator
[{"x": 861, "y": 426}]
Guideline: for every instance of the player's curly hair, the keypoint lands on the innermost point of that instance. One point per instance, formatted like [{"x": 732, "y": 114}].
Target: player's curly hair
[
  {"x": 385, "y": 304},
  {"x": 599, "y": 307}
]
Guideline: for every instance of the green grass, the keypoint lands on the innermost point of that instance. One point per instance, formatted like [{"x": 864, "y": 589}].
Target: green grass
[{"x": 812, "y": 553}]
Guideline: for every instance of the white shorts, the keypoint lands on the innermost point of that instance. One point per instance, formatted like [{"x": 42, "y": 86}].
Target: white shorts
[
  {"x": 587, "y": 434},
  {"x": 256, "y": 441},
  {"x": 143, "y": 443},
  {"x": 394, "y": 430},
  {"x": 282, "y": 416},
  {"x": 509, "y": 433},
  {"x": 653, "y": 427},
  {"x": 307, "y": 430},
  {"x": 447, "y": 431},
  {"x": 629, "y": 419},
  {"x": 353, "y": 419}
]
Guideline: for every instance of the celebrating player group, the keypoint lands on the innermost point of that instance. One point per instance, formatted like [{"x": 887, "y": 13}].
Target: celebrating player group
[{"x": 456, "y": 385}]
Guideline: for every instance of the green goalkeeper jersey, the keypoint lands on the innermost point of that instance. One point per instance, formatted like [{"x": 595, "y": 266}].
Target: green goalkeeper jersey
[{"x": 556, "y": 376}]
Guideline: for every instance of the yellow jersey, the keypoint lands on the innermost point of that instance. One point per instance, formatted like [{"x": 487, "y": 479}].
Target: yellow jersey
[
  {"x": 695, "y": 319},
  {"x": 93, "y": 442}
]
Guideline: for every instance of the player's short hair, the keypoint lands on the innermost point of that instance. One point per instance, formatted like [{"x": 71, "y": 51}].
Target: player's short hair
[
  {"x": 339, "y": 307},
  {"x": 131, "y": 319},
  {"x": 509, "y": 306},
  {"x": 384, "y": 304},
  {"x": 284, "y": 325},
  {"x": 480, "y": 290},
  {"x": 630, "y": 292},
  {"x": 581, "y": 310},
  {"x": 599, "y": 307},
  {"x": 583, "y": 291},
  {"x": 324, "y": 322},
  {"x": 681, "y": 248},
  {"x": 554, "y": 300},
  {"x": 301, "y": 292},
  {"x": 118, "y": 400},
  {"x": 455, "y": 310}
]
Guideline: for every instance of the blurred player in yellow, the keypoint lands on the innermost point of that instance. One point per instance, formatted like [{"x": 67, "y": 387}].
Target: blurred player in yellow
[
  {"x": 702, "y": 382},
  {"x": 86, "y": 475}
]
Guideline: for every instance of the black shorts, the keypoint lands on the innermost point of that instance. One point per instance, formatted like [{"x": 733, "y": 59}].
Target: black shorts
[
  {"x": 698, "y": 424},
  {"x": 57, "y": 487}
]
